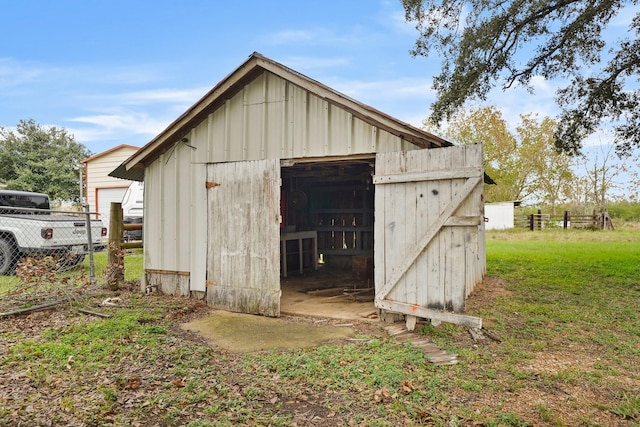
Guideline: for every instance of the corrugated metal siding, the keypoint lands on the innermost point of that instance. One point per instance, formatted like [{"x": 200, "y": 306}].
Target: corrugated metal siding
[
  {"x": 274, "y": 119},
  {"x": 270, "y": 119},
  {"x": 173, "y": 211},
  {"x": 152, "y": 230},
  {"x": 198, "y": 231}
]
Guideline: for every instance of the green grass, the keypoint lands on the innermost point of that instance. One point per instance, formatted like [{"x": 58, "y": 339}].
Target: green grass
[
  {"x": 568, "y": 318},
  {"x": 587, "y": 289},
  {"x": 133, "y": 270}
]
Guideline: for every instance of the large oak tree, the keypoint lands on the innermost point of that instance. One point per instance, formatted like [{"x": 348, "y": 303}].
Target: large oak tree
[{"x": 484, "y": 43}]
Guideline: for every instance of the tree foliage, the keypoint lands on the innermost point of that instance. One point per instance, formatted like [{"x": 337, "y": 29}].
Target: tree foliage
[
  {"x": 42, "y": 159},
  {"x": 483, "y": 43},
  {"x": 524, "y": 164}
]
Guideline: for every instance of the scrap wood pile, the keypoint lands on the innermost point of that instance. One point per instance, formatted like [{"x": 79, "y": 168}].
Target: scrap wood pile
[
  {"x": 28, "y": 299},
  {"x": 344, "y": 294},
  {"x": 38, "y": 286}
]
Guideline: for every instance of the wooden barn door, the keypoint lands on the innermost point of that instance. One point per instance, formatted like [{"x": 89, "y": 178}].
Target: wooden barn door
[
  {"x": 243, "y": 260},
  {"x": 429, "y": 232}
]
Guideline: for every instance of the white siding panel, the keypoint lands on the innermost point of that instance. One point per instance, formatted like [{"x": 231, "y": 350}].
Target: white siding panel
[
  {"x": 198, "y": 222},
  {"x": 299, "y": 121},
  {"x": 169, "y": 212},
  {"x": 235, "y": 128},
  {"x": 105, "y": 197},
  {"x": 317, "y": 126},
  {"x": 274, "y": 119},
  {"x": 182, "y": 202},
  {"x": 339, "y": 125},
  {"x": 198, "y": 138},
  {"x": 153, "y": 236}
]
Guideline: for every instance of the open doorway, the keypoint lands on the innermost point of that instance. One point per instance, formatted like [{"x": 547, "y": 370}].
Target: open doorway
[{"x": 331, "y": 205}]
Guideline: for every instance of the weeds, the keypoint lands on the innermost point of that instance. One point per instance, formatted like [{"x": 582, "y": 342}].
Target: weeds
[{"x": 569, "y": 355}]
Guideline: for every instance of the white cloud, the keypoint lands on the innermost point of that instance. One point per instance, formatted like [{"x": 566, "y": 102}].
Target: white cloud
[
  {"x": 135, "y": 122},
  {"x": 155, "y": 96},
  {"x": 14, "y": 73},
  {"x": 396, "y": 88}
]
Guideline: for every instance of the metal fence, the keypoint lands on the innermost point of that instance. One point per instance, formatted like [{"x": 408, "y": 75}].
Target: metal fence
[{"x": 38, "y": 242}]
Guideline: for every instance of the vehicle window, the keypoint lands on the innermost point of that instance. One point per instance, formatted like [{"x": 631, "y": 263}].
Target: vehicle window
[{"x": 32, "y": 201}]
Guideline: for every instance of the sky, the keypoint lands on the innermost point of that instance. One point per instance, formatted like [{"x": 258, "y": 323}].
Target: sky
[{"x": 120, "y": 71}]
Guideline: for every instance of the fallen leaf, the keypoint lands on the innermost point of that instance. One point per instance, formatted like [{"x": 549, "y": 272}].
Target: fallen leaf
[{"x": 133, "y": 383}]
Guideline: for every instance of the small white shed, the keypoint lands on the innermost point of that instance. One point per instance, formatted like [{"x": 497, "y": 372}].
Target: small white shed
[
  {"x": 102, "y": 189},
  {"x": 499, "y": 215},
  {"x": 270, "y": 155}
]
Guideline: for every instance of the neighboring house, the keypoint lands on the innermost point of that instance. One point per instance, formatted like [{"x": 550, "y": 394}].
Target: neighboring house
[
  {"x": 499, "y": 215},
  {"x": 270, "y": 161},
  {"x": 102, "y": 189}
]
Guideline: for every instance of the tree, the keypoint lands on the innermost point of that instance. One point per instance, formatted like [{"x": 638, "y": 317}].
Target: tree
[
  {"x": 501, "y": 158},
  {"x": 524, "y": 164},
  {"x": 486, "y": 42},
  {"x": 552, "y": 171},
  {"x": 600, "y": 175},
  {"x": 47, "y": 160}
]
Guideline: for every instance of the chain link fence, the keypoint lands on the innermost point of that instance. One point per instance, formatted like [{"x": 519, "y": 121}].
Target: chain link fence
[{"x": 41, "y": 246}]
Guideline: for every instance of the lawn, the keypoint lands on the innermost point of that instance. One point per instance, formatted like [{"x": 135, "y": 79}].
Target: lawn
[{"x": 561, "y": 305}]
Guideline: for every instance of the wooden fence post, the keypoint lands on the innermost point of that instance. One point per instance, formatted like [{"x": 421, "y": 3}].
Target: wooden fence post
[
  {"x": 115, "y": 265},
  {"x": 567, "y": 218},
  {"x": 539, "y": 219},
  {"x": 531, "y": 222}
]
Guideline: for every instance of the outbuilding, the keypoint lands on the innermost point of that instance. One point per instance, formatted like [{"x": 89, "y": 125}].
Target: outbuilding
[
  {"x": 100, "y": 188},
  {"x": 500, "y": 215},
  {"x": 272, "y": 171}
]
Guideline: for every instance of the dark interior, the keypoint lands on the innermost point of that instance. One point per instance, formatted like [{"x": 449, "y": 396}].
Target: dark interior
[{"x": 334, "y": 199}]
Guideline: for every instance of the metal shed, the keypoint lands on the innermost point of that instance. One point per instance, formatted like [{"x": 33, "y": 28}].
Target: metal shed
[
  {"x": 102, "y": 189},
  {"x": 269, "y": 152}
]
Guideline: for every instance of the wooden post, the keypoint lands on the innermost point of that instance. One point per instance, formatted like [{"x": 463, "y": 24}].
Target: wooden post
[
  {"x": 531, "y": 222},
  {"x": 539, "y": 219},
  {"x": 115, "y": 275},
  {"x": 567, "y": 218}
]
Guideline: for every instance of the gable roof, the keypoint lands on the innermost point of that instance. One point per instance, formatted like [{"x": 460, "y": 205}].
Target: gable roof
[
  {"x": 254, "y": 66},
  {"x": 109, "y": 151}
]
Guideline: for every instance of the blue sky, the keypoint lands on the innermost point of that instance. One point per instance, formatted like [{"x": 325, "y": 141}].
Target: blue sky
[{"x": 118, "y": 72}]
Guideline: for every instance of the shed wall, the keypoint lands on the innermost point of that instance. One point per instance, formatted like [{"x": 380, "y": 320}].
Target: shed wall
[
  {"x": 499, "y": 215},
  {"x": 269, "y": 119},
  {"x": 175, "y": 216},
  {"x": 274, "y": 119}
]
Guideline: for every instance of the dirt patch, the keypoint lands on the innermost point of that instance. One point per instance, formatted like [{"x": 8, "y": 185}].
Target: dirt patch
[
  {"x": 242, "y": 333},
  {"x": 490, "y": 289}
]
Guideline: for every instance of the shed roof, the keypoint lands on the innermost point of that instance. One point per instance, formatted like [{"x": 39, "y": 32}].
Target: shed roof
[
  {"x": 109, "y": 151},
  {"x": 254, "y": 66}
]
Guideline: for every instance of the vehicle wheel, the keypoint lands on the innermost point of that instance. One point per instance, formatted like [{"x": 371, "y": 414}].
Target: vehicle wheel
[{"x": 8, "y": 257}]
